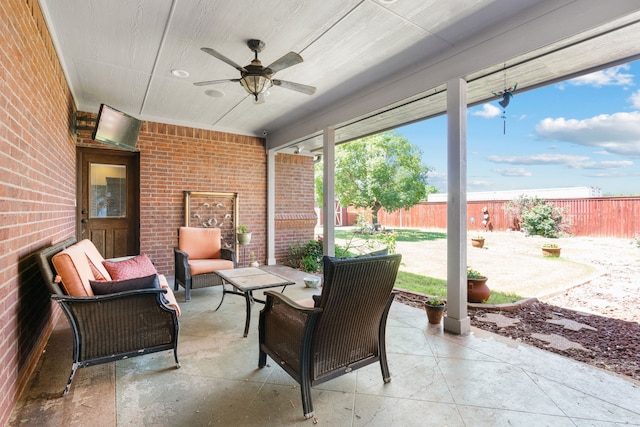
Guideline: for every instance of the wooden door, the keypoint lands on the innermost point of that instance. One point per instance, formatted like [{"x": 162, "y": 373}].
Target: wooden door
[{"x": 108, "y": 200}]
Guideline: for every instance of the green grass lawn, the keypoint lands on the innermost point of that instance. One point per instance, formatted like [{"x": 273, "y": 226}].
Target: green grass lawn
[
  {"x": 424, "y": 284},
  {"x": 431, "y": 286},
  {"x": 402, "y": 235}
]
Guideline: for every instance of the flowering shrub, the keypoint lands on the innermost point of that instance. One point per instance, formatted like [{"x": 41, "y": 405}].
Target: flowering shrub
[{"x": 536, "y": 216}]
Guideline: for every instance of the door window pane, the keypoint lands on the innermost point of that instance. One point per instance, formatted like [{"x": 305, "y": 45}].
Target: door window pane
[{"x": 107, "y": 193}]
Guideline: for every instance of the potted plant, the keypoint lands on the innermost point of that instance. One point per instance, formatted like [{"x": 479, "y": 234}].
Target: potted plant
[
  {"x": 435, "y": 307},
  {"x": 477, "y": 289},
  {"x": 254, "y": 261},
  {"x": 243, "y": 235},
  {"x": 477, "y": 241},
  {"x": 550, "y": 250}
]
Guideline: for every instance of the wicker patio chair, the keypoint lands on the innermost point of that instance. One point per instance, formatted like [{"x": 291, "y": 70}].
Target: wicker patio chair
[
  {"x": 108, "y": 328},
  {"x": 344, "y": 331},
  {"x": 198, "y": 255}
]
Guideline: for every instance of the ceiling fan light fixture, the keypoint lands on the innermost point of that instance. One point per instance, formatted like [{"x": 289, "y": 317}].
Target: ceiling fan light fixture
[{"x": 255, "y": 84}]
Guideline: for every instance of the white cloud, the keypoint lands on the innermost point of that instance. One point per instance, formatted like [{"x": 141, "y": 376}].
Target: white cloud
[
  {"x": 479, "y": 183},
  {"x": 613, "y": 174},
  {"x": 603, "y": 165},
  {"x": 512, "y": 172},
  {"x": 438, "y": 179},
  {"x": 613, "y": 76},
  {"x": 435, "y": 174},
  {"x": 488, "y": 111},
  {"x": 635, "y": 99},
  {"x": 617, "y": 133},
  {"x": 571, "y": 162},
  {"x": 539, "y": 159}
]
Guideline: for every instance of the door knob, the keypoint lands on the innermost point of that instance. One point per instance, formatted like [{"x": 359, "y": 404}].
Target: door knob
[{"x": 84, "y": 220}]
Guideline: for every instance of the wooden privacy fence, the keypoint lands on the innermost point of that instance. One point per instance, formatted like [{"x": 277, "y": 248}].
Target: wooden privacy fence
[{"x": 597, "y": 216}]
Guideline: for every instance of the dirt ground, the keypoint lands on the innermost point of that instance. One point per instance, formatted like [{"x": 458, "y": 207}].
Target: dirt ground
[{"x": 514, "y": 262}]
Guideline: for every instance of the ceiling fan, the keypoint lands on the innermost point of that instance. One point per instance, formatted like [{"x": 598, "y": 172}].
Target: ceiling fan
[{"x": 255, "y": 78}]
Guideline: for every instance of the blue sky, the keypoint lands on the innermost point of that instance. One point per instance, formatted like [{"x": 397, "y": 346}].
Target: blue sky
[{"x": 581, "y": 132}]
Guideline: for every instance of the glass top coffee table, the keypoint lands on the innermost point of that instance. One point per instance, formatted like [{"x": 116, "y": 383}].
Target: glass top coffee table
[{"x": 245, "y": 280}]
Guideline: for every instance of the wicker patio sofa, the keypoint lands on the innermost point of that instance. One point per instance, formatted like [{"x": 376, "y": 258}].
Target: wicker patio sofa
[{"x": 107, "y": 327}]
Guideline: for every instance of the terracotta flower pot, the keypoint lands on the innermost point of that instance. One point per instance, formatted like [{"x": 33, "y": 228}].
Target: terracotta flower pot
[
  {"x": 435, "y": 313},
  {"x": 477, "y": 243},
  {"x": 477, "y": 290},
  {"x": 551, "y": 252}
]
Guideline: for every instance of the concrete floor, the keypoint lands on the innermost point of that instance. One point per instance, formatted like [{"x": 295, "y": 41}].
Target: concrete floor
[{"x": 437, "y": 379}]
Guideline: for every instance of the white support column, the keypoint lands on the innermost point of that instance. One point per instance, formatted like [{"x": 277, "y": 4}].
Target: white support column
[
  {"x": 457, "y": 320},
  {"x": 271, "y": 207},
  {"x": 329, "y": 192}
]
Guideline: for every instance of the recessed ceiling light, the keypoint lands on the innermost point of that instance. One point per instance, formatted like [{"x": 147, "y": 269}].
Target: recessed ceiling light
[
  {"x": 214, "y": 93},
  {"x": 387, "y": 1},
  {"x": 180, "y": 73}
]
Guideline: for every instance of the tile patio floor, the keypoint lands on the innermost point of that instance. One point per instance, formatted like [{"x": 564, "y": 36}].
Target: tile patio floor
[{"x": 437, "y": 379}]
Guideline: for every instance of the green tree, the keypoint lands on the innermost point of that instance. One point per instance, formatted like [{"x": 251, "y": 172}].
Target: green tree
[{"x": 383, "y": 170}]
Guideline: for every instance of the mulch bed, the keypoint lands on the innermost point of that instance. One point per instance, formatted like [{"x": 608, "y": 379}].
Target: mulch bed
[{"x": 613, "y": 346}]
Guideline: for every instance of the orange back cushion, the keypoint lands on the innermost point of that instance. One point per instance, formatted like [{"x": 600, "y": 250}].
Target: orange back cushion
[
  {"x": 200, "y": 243},
  {"x": 72, "y": 265}
]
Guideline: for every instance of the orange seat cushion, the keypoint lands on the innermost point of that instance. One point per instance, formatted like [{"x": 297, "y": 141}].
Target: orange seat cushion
[
  {"x": 171, "y": 298},
  {"x": 202, "y": 266}
]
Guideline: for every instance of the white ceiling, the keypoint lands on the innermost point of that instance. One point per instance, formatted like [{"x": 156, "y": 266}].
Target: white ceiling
[{"x": 376, "y": 64}]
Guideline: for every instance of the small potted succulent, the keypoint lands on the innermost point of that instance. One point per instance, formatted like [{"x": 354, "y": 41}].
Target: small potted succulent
[
  {"x": 550, "y": 250},
  {"x": 435, "y": 307},
  {"x": 243, "y": 234},
  {"x": 477, "y": 289}
]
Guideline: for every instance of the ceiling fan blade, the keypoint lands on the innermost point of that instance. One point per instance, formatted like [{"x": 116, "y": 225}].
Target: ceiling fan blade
[
  {"x": 286, "y": 61},
  {"x": 309, "y": 90},
  {"x": 223, "y": 58},
  {"x": 213, "y": 82}
]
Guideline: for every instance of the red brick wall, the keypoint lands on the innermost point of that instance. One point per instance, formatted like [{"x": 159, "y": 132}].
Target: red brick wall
[
  {"x": 174, "y": 159},
  {"x": 295, "y": 216},
  {"x": 37, "y": 187}
]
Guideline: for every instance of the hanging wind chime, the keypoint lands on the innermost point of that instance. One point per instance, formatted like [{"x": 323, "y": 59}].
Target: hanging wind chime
[{"x": 506, "y": 94}]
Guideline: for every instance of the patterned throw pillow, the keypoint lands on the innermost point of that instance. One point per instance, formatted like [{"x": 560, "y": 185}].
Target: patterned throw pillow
[
  {"x": 104, "y": 287},
  {"x": 131, "y": 268}
]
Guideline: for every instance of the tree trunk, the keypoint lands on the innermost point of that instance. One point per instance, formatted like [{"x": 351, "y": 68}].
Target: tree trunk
[{"x": 374, "y": 213}]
